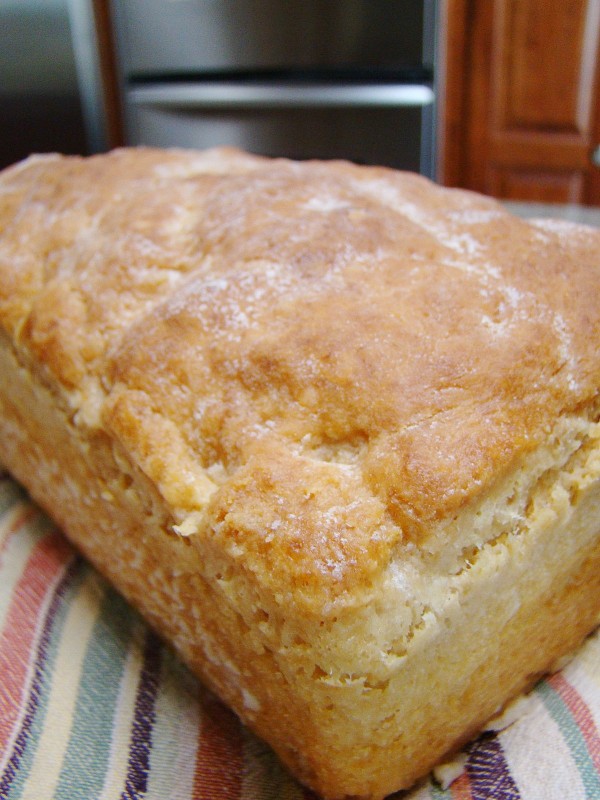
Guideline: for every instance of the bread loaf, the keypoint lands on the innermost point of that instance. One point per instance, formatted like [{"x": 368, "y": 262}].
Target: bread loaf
[{"x": 333, "y": 429}]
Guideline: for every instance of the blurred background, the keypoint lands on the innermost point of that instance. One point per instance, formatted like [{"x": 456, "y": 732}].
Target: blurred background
[
  {"x": 40, "y": 107},
  {"x": 502, "y": 97}
]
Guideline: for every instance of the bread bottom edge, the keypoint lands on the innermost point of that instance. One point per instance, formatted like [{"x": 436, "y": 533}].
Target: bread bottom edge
[{"x": 443, "y": 711}]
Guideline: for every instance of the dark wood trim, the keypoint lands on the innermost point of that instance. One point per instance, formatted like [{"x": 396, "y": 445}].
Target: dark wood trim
[
  {"x": 109, "y": 74},
  {"x": 592, "y": 187},
  {"x": 452, "y": 84}
]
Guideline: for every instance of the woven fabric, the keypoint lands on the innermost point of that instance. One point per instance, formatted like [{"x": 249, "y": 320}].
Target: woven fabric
[{"x": 93, "y": 705}]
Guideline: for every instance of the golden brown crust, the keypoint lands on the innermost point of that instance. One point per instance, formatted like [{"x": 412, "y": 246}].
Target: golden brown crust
[
  {"x": 339, "y": 385},
  {"x": 317, "y": 303},
  {"x": 253, "y": 304}
]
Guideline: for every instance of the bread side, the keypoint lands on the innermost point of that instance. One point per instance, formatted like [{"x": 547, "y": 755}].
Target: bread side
[{"x": 334, "y": 430}]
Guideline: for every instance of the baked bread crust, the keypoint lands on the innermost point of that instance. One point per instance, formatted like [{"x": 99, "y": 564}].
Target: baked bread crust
[{"x": 332, "y": 428}]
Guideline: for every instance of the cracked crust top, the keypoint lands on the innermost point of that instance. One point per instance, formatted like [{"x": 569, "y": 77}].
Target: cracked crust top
[{"x": 315, "y": 363}]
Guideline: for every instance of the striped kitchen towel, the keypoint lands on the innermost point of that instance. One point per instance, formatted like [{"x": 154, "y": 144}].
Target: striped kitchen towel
[{"x": 92, "y": 705}]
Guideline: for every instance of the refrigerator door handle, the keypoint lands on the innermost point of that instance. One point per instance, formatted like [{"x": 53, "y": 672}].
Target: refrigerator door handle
[{"x": 230, "y": 95}]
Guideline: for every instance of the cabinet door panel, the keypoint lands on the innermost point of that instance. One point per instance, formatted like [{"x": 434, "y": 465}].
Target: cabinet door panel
[
  {"x": 536, "y": 186},
  {"x": 544, "y": 64},
  {"x": 529, "y": 74}
]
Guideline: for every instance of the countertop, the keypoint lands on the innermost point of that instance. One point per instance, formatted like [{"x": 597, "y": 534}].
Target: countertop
[{"x": 588, "y": 215}]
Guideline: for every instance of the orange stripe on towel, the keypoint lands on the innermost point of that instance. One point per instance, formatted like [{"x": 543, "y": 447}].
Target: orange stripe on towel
[
  {"x": 16, "y": 524},
  {"x": 461, "y": 788}
]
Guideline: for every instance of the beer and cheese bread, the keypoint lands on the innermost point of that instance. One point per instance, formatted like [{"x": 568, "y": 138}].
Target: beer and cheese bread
[{"x": 333, "y": 429}]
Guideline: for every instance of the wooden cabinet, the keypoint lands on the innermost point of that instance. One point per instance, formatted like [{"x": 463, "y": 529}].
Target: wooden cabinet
[{"x": 521, "y": 111}]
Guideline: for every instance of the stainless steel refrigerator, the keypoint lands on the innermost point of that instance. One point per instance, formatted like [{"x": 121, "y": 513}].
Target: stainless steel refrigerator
[{"x": 349, "y": 79}]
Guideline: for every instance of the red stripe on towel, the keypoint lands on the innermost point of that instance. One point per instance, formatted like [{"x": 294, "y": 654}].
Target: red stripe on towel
[
  {"x": 581, "y": 714},
  {"x": 219, "y": 759},
  {"x": 46, "y": 563}
]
